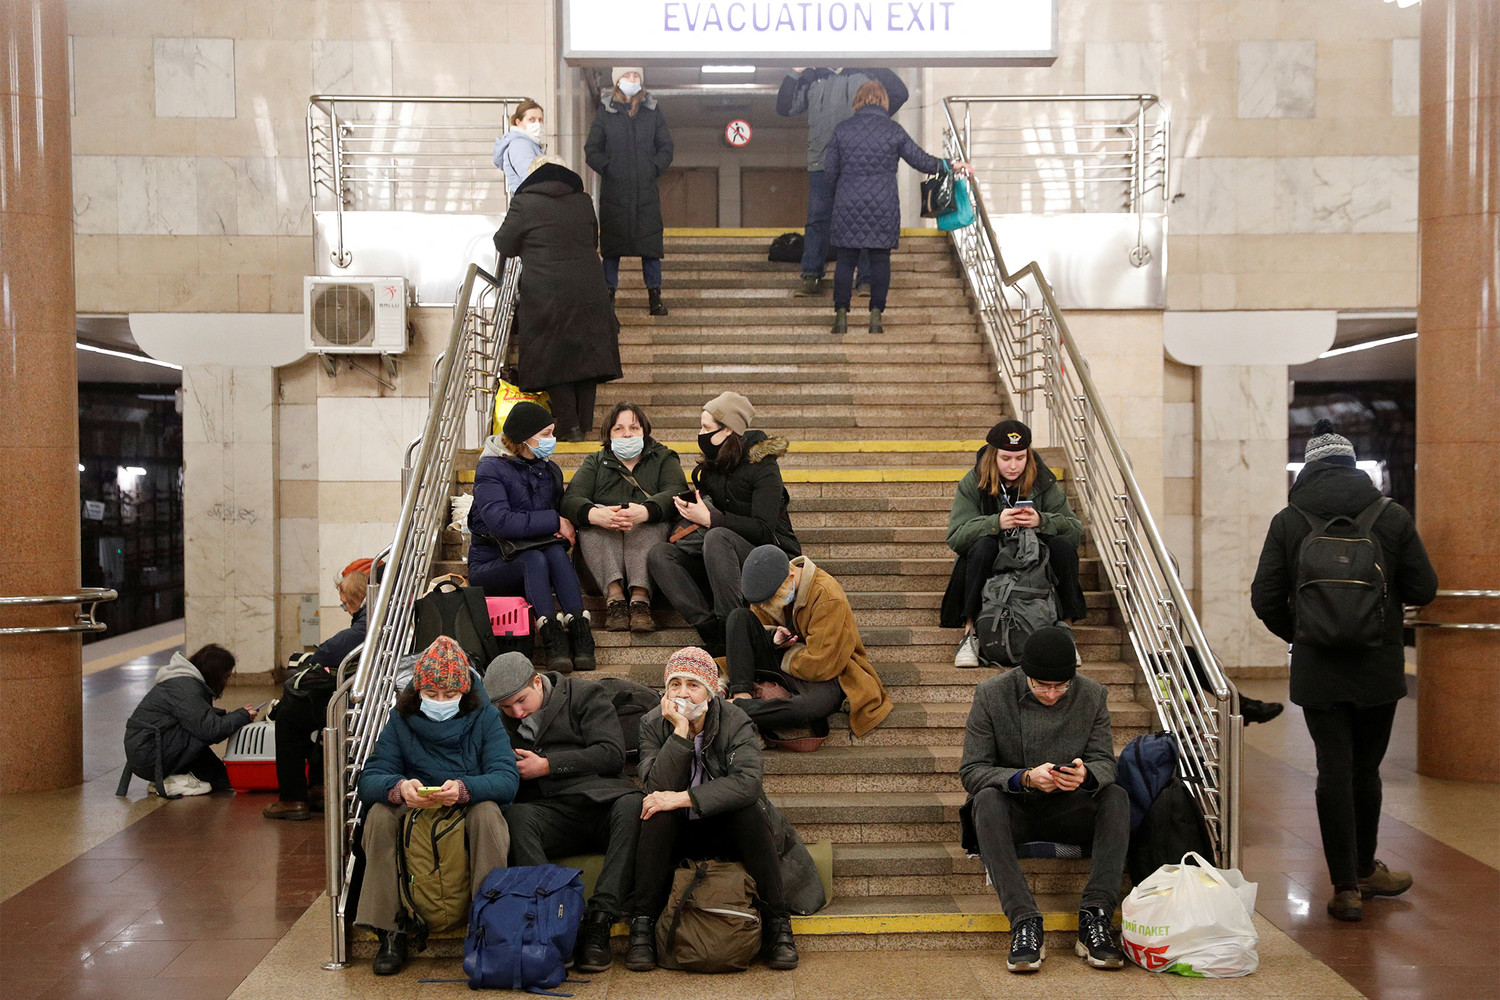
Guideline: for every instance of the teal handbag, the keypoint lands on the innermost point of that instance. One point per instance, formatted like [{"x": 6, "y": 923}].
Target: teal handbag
[{"x": 963, "y": 211}]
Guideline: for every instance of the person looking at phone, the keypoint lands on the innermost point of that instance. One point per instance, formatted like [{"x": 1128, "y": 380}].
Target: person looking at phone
[
  {"x": 444, "y": 744},
  {"x": 799, "y": 632},
  {"x": 737, "y": 501},
  {"x": 620, "y": 499},
  {"x": 1009, "y": 488},
  {"x": 1039, "y": 764}
]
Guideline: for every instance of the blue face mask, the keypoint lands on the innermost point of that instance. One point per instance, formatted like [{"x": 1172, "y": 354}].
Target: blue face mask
[
  {"x": 791, "y": 596},
  {"x": 629, "y": 88},
  {"x": 627, "y": 448},
  {"x": 439, "y": 711},
  {"x": 544, "y": 447}
]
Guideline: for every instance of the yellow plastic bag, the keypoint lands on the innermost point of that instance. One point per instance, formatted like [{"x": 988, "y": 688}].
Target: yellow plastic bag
[{"x": 507, "y": 395}]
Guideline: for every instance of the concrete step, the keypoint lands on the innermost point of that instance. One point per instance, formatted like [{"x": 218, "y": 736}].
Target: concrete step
[
  {"x": 783, "y": 282},
  {"x": 913, "y": 241},
  {"x": 780, "y": 354},
  {"x": 862, "y": 871},
  {"x": 696, "y": 263},
  {"x": 858, "y": 339},
  {"x": 794, "y": 312},
  {"x": 912, "y": 292}
]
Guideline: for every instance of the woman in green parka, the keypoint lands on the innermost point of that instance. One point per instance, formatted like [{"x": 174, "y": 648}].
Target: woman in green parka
[
  {"x": 620, "y": 499},
  {"x": 1007, "y": 471}
]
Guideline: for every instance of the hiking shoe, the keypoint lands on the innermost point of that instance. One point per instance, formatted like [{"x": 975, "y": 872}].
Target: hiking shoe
[
  {"x": 287, "y": 810},
  {"x": 391, "y": 957},
  {"x": 555, "y": 645},
  {"x": 875, "y": 325},
  {"x": 1096, "y": 939},
  {"x": 617, "y": 617},
  {"x": 1347, "y": 905},
  {"x": 778, "y": 949},
  {"x": 654, "y": 295},
  {"x": 1260, "y": 711},
  {"x": 840, "y": 321},
  {"x": 1384, "y": 882},
  {"x": 591, "y": 953},
  {"x": 862, "y": 289},
  {"x": 581, "y": 639},
  {"x": 1027, "y": 949},
  {"x": 640, "y": 617},
  {"x": 968, "y": 651},
  {"x": 640, "y": 955},
  {"x": 809, "y": 286}
]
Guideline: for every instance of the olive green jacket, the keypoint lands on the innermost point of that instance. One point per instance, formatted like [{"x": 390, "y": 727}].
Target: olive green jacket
[
  {"x": 976, "y": 514},
  {"x": 601, "y": 480}
]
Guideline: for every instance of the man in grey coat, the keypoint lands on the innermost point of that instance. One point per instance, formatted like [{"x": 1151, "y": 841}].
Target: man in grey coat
[
  {"x": 1039, "y": 764},
  {"x": 573, "y": 799}
]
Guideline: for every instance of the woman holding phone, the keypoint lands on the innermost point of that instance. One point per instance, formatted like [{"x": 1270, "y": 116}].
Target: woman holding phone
[{"x": 1009, "y": 487}]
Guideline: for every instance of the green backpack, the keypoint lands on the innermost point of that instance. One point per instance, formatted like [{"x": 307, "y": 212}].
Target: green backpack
[{"x": 433, "y": 865}]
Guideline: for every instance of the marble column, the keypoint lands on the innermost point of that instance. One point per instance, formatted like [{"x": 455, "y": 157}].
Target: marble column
[
  {"x": 41, "y": 711},
  {"x": 1458, "y": 370}
]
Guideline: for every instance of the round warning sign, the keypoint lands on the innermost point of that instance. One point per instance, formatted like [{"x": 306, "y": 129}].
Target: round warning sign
[{"x": 737, "y": 132}]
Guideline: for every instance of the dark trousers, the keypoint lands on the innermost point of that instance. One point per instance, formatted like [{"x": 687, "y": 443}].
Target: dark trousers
[
  {"x": 668, "y": 837},
  {"x": 206, "y": 766},
  {"x": 878, "y": 270},
  {"x": 573, "y": 405},
  {"x": 705, "y": 586},
  {"x": 815, "y": 233},
  {"x": 1062, "y": 557},
  {"x": 554, "y": 828},
  {"x": 750, "y": 652},
  {"x": 1101, "y": 818},
  {"x": 1350, "y": 744},
  {"x": 297, "y": 719},
  {"x": 650, "y": 272},
  {"x": 537, "y": 574}
]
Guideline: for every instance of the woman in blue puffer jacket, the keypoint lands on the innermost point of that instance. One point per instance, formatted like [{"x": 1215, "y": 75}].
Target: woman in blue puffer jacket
[{"x": 517, "y": 492}]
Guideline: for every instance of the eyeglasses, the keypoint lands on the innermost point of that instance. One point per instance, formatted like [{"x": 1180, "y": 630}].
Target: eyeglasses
[{"x": 1039, "y": 687}]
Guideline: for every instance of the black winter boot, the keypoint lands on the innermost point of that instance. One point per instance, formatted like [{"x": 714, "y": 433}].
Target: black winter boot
[
  {"x": 640, "y": 955},
  {"x": 581, "y": 639},
  {"x": 391, "y": 957},
  {"x": 555, "y": 645},
  {"x": 591, "y": 953},
  {"x": 875, "y": 325},
  {"x": 657, "y": 309},
  {"x": 840, "y": 321},
  {"x": 777, "y": 948}
]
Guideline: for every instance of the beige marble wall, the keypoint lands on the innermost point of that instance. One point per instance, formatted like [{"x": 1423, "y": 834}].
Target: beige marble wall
[
  {"x": 297, "y": 498},
  {"x": 1179, "y": 447}
]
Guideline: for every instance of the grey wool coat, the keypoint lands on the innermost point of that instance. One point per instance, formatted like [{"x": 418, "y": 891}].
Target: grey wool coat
[{"x": 581, "y": 738}]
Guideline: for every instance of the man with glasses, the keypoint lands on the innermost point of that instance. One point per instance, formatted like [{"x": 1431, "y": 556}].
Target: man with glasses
[{"x": 1039, "y": 765}]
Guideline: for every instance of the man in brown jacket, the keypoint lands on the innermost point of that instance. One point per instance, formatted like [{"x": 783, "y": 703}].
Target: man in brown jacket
[{"x": 799, "y": 631}]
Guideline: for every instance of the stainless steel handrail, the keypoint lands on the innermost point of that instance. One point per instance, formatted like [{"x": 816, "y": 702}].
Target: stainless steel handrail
[
  {"x": 357, "y": 712},
  {"x": 83, "y": 620},
  {"x": 1413, "y": 622},
  {"x": 1029, "y": 337}
]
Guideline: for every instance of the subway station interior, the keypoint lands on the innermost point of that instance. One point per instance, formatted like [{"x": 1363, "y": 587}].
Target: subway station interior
[{"x": 1199, "y": 227}]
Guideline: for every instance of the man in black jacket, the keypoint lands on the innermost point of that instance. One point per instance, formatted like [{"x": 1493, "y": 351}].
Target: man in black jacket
[
  {"x": 570, "y": 752},
  {"x": 1348, "y": 693}
]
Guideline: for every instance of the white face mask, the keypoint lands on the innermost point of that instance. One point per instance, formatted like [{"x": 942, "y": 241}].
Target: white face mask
[
  {"x": 689, "y": 709},
  {"x": 629, "y": 88},
  {"x": 534, "y": 129}
]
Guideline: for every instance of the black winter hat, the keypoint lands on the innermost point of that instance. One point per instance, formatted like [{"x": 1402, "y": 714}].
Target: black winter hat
[
  {"x": 1009, "y": 435},
  {"x": 524, "y": 420},
  {"x": 1049, "y": 656}
]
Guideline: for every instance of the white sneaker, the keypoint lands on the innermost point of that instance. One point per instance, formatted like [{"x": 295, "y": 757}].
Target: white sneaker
[
  {"x": 184, "y": 784},
  {"x": 968, "y": 651}
]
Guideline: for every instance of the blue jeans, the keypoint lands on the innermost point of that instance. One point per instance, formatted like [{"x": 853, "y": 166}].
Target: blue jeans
[
  {"x": 537, "y": 574},
  {"x": 650, "y": 271},
  {"x": 815, "y": 235},
  {"x": 874, "y": 264}
]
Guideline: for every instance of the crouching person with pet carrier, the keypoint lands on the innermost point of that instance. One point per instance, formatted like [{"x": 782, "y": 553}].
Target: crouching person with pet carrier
[
  {"x": 1039, "y": 767},
  {"x": 702, "y": 773},
  {"x": 434, "y": 784}
]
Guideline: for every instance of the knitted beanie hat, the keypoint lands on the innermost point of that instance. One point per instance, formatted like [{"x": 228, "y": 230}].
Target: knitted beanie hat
[
  {"x": 1325, "y": 445},
  {"x": 442, "y": 665},
  {"x": 1048, "y": 655},
  {"x": 1009, "y": 435},
  {"x": 732, "y": 410},
  {"x": 524, "y": 420},
  {"x": 765, "y": 569},
  {"x": 615, "y": 72},
  {"x": 358, "y": 566},
  {"x": 696, "y": 665},
  {"x": 507, "y": 674}
]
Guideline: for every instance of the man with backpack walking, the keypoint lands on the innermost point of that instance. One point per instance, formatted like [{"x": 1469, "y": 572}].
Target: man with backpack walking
[
  {"x": 1039, "y": 765},
  {"x": 1338, "y": 563},
  {"x": 570, "y": 751}
]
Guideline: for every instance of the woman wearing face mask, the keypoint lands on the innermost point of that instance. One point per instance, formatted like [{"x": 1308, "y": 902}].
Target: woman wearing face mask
[
  {"x": 515, "y": 150},
  {"x": 701, "y": 770},
  {"x": 444, "y": 744},
  {"x": 1007, "y": 472},
  {"x": 629, "y": 147},
  {"x": 517, "y": 489},
  {"x": 738, "y": 501},
  {"x": 620, "y": 499}
]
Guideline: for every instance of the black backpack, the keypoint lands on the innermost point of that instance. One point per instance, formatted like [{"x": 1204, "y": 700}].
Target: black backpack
[
  {"x": 1341, "y": 589},
  {"x": 461, "y": 614},
  {"x": 787, "y": 249},
  {"x": 1172, "y": 827},
  {"x": 1017, "y": 599},
  {"x": 632, "y": 701}
]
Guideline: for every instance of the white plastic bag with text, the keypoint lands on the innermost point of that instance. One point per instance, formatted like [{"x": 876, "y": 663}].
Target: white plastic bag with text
[{"x": 1194, "y": 921}]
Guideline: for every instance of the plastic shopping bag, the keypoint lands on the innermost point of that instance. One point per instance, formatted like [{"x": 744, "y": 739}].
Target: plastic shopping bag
[
  {"x": 507, "y": 395},
  {"x": 1194, "y": 921}
]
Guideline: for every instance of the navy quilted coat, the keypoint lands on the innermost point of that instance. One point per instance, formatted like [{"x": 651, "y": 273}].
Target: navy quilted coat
[{"x": 860, "y": 165}]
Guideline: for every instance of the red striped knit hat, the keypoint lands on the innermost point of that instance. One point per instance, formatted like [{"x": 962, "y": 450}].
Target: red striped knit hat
[
  {"x": 442, "y": 665},
  {"x": 696, "y": 665}
]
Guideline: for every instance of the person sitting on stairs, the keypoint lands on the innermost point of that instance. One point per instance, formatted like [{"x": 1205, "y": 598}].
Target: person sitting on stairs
[
  {"x": 1039, "y": 764},
  {"x": 570, "y": 751},
  {"x": 737, "y": 502},
  {"x": 799, "y": 632},
  {"x": 1007, "y": 472},
  {"x": 517, "y": 489}
]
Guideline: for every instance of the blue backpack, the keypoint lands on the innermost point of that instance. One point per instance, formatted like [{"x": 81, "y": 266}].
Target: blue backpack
[
  {"x": 1147, "y": 765},
  {"x": 522, "y": 927}
]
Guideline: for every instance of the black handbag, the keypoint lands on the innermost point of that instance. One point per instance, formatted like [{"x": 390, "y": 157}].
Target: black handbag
[
  {"x": 512, "y": 547},
  {"x": 938, "y": 195}
]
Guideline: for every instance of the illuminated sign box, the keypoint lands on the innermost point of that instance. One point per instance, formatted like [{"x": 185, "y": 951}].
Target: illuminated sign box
[{"x": 807, "y": 32}]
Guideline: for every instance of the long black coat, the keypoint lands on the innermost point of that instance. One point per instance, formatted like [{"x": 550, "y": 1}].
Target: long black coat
[
  {"x": 860, "y": 165},
  {"x": 564, "y": 319},
  {"x": 629, "y": 154}
]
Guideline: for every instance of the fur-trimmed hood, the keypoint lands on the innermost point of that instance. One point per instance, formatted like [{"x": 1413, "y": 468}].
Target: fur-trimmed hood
[{"x": 759, "y": 445}]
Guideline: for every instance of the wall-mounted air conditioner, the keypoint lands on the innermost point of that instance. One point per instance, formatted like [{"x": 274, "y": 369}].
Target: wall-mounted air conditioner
[{"x": 361, "y": 315}]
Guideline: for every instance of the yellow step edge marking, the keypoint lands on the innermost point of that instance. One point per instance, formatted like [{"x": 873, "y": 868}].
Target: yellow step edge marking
[
  {"x": 762, "y": 231},
  {"x": 921, "y": 923},
  {"x": 892, "y": 475},
  {"x": 806, "y": 447}
]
